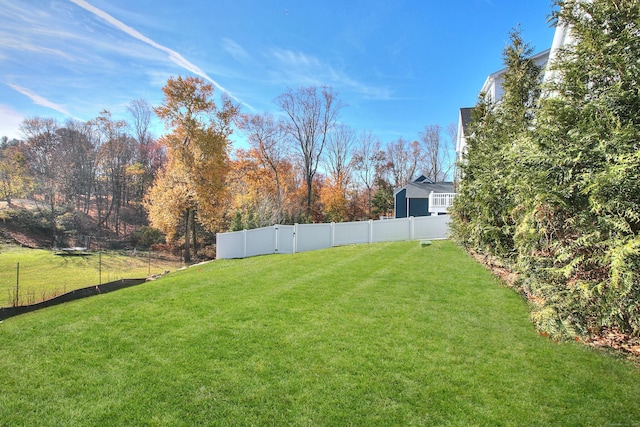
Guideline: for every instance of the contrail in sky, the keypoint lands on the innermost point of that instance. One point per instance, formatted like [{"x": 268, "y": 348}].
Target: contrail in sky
[
  {"x": 39, "y": 100},
  {"x": 174, "y": 56}
]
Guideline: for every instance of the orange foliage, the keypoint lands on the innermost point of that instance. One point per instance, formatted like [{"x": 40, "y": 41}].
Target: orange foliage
[
  {"x": 194, "y": 180},
  {"x": 333, "y": 197}
]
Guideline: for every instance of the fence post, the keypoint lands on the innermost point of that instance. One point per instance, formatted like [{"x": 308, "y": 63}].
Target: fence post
[
  {"x": 333, "y": 234},
  {"x": 17, "y": 300},
  {"x": 295, "y": 237},
  {"x": 275, "y": 238},
  {"x": 370, "y": 231},
  {"x": 411, "y": 229},
  {"x": 244, "y": 243}
]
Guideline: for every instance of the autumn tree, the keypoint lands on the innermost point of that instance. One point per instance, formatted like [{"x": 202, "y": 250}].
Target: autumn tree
[
  {"x": 15, "y": 180},
  {"x": 116, "y": 151},
  {"x": 198, "y": 144},
  {"x": 170, "y": 199},
  {"x": 140, "y": 113},
  {"x": 44, "y": 158},
  {"x": 338, "y": 167},
  {"x": 437, "y": 153},
  {"x": 266, "y": 137},
  {"x": 150, "y": 156},
  {"x": 311, "y": 115},
  {"x": 338, "y": 155},
  {"x": 365, "y": 158},
  {"x": 403, "y": 158},
  {"x": 78, "y": 157},
  {"x": 253, "y": 191}
]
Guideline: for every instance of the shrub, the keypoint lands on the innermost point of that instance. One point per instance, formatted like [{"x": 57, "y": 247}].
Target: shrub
[{"x": 147, "y": 236}]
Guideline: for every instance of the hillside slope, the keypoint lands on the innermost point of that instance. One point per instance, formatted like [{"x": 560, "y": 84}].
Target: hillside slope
[{"x": 382, "y": 334}]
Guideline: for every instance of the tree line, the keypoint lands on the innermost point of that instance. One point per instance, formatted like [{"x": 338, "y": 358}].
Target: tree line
[
  {"x": 303, "y": 165},
  {"x": 95, "y": 167},
  {"x": 550, "y": 184}
]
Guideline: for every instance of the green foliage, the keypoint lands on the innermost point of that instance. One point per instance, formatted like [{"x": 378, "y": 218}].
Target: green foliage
[
  {"x": 570, "y": 188},
  {"x": 587, "y": 215},
  {"x": 483, "y": 210},
  {"x": 146, "y": 236},
  {"x": 421, "y": 336},
  {"x": 244, "y": 219},
  {"x": 30, "y": 220},
  {"x": 382, "y": 202}
]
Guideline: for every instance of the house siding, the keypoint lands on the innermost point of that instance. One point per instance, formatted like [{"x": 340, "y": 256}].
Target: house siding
[
  {"x": 401, "y": 204},
  {"x": 417, "y": 206}
]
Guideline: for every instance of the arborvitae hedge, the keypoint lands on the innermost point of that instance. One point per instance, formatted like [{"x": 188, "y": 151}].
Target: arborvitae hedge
[{"x": 565, "y": 212}]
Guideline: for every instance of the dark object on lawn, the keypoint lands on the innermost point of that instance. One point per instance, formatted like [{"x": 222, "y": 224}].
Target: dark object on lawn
[
  {"x": 6, "y": 312},
  {"x": 76, "y": 251}
]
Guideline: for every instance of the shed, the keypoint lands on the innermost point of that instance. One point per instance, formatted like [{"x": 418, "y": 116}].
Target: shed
[{"x": 413, "y": 198}]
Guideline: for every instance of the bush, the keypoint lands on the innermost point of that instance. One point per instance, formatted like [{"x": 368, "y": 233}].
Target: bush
[
  {"x": 67, "y": 222},
  {"x": 147, "y": 236}
]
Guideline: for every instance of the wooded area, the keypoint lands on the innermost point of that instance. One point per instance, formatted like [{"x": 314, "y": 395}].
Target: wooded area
[{"x": 109, "y": 178}]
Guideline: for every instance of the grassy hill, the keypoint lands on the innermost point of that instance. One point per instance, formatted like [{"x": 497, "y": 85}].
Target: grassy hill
[
  {"x": 382, "y": 334},
  {"x": 42, "y": 274}
]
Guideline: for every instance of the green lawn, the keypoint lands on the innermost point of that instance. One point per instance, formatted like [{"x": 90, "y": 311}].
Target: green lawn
[
  {"x": 42, "y": 274},
  {"x": 383, "y": 334}
]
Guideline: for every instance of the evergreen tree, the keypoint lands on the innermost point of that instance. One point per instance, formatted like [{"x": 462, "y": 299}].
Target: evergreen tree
[
  {"x": 578, "y": 235},
  {"x": 382, "y": 202},
  {"x": 483, "y": 211}
]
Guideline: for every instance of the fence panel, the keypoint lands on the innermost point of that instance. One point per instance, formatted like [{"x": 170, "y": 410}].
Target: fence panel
[
  {"x": 230, "y": 245},
  {"x": 431, "y": 227},
  {"x": 350, "y": 233},
  {"x": 260, "y": 241},
  {"x": 390, "y": 230},
  {"x": 310, "y": 237}
]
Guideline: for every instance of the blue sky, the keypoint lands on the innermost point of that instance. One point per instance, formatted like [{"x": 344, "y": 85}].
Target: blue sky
[{"x": 398, "y": 65}]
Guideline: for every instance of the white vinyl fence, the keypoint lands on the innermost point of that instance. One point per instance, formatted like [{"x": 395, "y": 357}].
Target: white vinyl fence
[{"x": 287, "y": 239}]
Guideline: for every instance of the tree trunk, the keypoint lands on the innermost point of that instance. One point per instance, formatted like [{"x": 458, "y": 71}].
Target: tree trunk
[
  {"x": 193, "y": 232},
  {"x": 309, "y": 186},
  {"x": 187, "y": 236}
]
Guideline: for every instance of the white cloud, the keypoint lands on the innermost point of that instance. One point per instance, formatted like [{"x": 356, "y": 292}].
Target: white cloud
[
  {"x": 295, "y": 59},
  {"x": 10, "y": 121},
  {"x": 28, "y": 47},
  {"x": 39, "y": 100},
  {"x": 235, "y": 50},
  {"x": 297, "y": 68}
]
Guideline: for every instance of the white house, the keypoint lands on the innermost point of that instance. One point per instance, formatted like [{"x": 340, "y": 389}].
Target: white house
[
  {"x": 493, "y": 91},
  {"x": 561, "y": 37},
  {"x": 464, "y": 118},
  {"x": 492, "y": 88}
]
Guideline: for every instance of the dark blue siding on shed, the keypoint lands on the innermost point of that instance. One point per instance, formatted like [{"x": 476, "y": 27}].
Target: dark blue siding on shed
[
  {"x": 417, "y": 207},
  {"x": 401, "y": 204}
]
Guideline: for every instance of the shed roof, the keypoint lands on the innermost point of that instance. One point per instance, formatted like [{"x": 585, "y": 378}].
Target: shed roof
[{"x": 421, "y": 190}]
